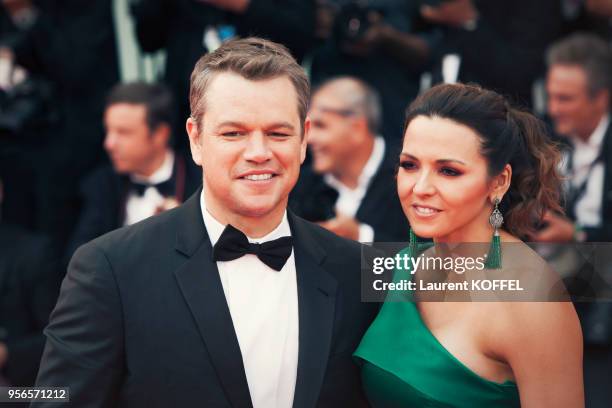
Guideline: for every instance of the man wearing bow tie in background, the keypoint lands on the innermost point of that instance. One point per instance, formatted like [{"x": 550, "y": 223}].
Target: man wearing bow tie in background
[
  {"x": 230, "y": 299},
  {"x": 146, "y": 176}
]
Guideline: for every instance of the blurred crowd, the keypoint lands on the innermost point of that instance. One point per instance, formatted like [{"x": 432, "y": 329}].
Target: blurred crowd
[{"x": 86, "y": 148}]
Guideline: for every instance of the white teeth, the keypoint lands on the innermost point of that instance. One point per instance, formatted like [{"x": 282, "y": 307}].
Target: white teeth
[
  {"x": 425, "y": 210},
  {"x": 257, "y": 177}
]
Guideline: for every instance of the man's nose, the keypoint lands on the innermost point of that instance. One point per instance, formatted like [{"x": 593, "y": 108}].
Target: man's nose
[
  {"x": 110, "y": 141},
  {"x": 553, "y": 107},
  {"x": 258, "y": 148}
]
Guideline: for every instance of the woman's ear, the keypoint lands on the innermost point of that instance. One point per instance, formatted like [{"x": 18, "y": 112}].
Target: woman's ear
[{"x": 500, "y": 183}]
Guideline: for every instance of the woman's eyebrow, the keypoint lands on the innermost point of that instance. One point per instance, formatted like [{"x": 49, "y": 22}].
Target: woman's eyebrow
[{"x": 440, "y": 161}]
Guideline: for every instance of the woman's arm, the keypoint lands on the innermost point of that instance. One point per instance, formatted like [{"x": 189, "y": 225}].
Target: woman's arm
[{"x": 543, "y": 345}]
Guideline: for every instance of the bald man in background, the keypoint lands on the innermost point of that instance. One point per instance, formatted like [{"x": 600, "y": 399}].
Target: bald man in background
[{"x": 349, "y": 186}]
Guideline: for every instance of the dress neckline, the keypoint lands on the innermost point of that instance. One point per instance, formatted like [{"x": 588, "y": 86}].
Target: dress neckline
[{"x": 507, "y": 383}]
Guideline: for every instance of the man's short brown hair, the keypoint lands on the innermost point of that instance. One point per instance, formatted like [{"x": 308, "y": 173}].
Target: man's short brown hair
[
  {"x": 589, "y": 52},
  {"x": 254, "y": 59}
]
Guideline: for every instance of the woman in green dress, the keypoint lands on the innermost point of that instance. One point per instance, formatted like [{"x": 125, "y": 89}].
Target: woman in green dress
[{"x": 466, "y": 153}]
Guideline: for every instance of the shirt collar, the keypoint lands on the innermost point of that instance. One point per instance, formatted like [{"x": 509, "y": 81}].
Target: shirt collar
[
  {"x": 215, "y": 228},
  {"x": 370, "y": 168},
  {"x": 163, "y": 173},
  {"x": 596, "y": 139}
]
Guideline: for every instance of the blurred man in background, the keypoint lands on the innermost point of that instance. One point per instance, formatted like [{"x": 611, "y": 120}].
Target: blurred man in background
[
  {"x": 578, "y": 85},
  {"x": 146, "y": 176},
  {"x": 351, "y": 178}
]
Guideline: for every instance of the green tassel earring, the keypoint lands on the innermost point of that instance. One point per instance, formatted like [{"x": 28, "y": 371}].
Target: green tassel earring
[
  {"x": 494, "y": 258},
  {"x": 413, "y": 242}
]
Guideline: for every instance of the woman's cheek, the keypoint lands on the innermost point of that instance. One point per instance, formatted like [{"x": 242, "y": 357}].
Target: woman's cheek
[{"x": 404, "y": 185}]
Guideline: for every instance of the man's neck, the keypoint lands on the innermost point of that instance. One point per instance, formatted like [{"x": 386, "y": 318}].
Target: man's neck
[
  {"x": 350, "y": 173},
  {"x": 585, "y": 134},
  {"x": 154, "y": 165}
]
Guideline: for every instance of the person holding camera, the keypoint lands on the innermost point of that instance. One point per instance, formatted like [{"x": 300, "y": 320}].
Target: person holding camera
[{"x": 377, "y": 42}]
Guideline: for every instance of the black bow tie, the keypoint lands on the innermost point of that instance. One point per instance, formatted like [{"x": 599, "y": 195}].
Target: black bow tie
[
  {"x": 165, "y": 188},
  {"x": 233, "y": 244}
]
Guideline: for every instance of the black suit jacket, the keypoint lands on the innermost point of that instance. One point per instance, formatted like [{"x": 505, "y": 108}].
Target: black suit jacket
[
  {"x": 142, "y": 320},
  {"x": 380, "y": 207},
  {"x": 603, "y": 233},
  {"x": 103, "y": 198}
]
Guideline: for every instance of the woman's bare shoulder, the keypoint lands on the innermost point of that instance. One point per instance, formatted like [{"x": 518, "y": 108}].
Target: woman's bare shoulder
[{"x": 524, "y": 326}]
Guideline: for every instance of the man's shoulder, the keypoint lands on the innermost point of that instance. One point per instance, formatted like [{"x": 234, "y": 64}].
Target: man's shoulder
[
  {"x": 150, "y": 233},
  {"x": 100, "y": 181},
  {"x": 103, "y": 172}
]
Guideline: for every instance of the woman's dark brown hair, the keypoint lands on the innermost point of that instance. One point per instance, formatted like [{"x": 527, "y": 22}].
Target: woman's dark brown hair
[{"x": 508, "y": 136}]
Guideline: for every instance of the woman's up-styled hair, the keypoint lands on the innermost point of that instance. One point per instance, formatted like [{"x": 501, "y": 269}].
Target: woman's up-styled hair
[{"x": 507, "y": 136}]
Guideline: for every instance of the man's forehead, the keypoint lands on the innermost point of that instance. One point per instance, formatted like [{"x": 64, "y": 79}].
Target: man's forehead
[
  {"x": 239, "y": 91},
  {"x": 223, "y": 81},
  {"x": 126, "y": 113},
  {"x": 574, "y": 74},
  {"x": 335, "y": 111},
  {"x": 127, "y": 108}
]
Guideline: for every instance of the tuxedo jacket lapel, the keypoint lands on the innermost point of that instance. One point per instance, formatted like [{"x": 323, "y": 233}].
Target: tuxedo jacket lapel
[
  {"x": 316, "y": 305},
  {"x": 199, "y": 282}
]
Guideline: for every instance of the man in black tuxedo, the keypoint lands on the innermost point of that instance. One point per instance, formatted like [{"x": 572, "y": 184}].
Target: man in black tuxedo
[
  {"x": 350, "y": 187},
  {"x": 146, "y": 175},
  {"x": 228, "y": 300}
]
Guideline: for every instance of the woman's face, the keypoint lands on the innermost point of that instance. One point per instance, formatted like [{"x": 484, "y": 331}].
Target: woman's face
[{"x": 443, "y": 182}]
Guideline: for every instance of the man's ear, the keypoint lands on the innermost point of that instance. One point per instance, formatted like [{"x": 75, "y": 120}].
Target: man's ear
[
  {"x": 501, "y": 183},
  {"x": 361, "y": 124},
  {"x": 195, "y": 142},
  {"x": 304, "y": 142},
  {"x": 602, "y": 100},
  {"x": 161, "y": 135}
]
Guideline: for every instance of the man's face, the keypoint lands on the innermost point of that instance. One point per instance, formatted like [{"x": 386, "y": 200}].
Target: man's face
[
  {"x": 573, "y": 110},
  {"x": 249, "y": 144},
  {"x": 129, "y": 142},
  {"x": 331, "y": 138}
]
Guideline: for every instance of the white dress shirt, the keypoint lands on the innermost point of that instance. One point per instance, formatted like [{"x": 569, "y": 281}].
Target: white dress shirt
[
  {"x": 263, "y": 304},
  {"x": 137, "y": 207},
  {"x": 588, "y": 207},
  {"x": 349, "y": 199}
]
